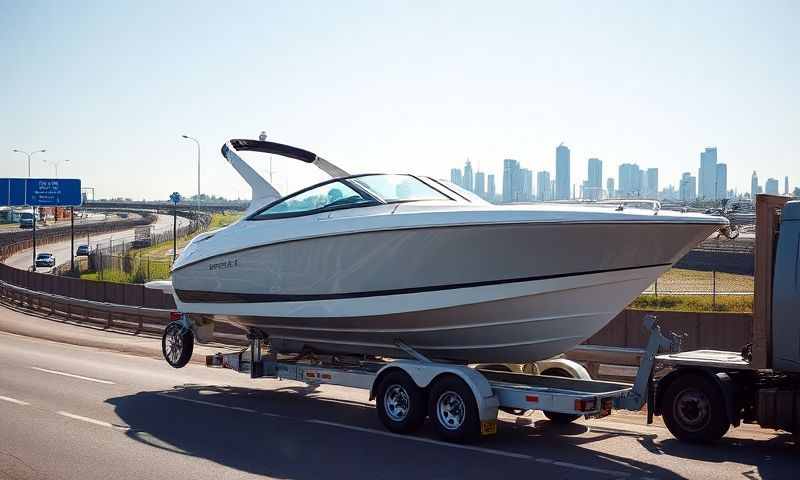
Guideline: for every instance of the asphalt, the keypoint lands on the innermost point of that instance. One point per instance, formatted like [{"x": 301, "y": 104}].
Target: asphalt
[
  {"x": 77, "y": 412},
  {"x": 61, "y": 250}
]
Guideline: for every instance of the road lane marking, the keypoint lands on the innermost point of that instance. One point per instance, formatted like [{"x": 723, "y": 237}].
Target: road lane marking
[
  {"x": 575, "y": 466},
  {"x": 13, "y": 400},
  {"x": 91, "y": 420},
  {"x": 422, "y": 439},
  {"x": 210, "y": 404},
  {"x": 72, "y": 375}
]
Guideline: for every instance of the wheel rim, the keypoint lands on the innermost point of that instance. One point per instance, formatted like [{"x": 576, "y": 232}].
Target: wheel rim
[
  {"x": 396, "y": 403},
  {"x": 692, "y": 410},
  {"x": 174, "y": 344},
  {"x": 450, "y": 410}
]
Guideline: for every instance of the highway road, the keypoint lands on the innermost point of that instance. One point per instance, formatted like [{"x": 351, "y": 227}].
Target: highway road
[
  {"x": 89, "y": 218},
  {"x": 75, "y": 412},
  {"x": 61, "y": 250}
]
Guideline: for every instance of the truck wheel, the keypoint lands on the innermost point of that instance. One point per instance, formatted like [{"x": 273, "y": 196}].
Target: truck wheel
[
  {"x": 454, "y": 411},
  {"x": 558, "y": 417},
  {"x": 177, "y": 345},
  {"x": 694, "y": 409},
  {"x": 400, "y": 403}
]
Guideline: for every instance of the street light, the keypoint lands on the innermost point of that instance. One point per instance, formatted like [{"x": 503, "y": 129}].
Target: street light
[
  {"x": 55, "y": 163},
  {"x": 29, "y": 155},
  {"x": 197, "y": 202}
]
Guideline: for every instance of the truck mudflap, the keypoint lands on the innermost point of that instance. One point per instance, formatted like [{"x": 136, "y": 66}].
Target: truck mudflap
[{"x": 779, "y": 409}]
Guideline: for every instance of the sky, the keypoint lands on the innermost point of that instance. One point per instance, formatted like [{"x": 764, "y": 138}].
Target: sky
[{"x": 413, "y": 87}]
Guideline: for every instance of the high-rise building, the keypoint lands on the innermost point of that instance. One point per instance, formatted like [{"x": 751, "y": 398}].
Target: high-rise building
[
  {"x": 630, "y": 180},
  {"x": 754, "y": 185},
  {"x": 455, "y": 177},
  {"x": 594, "y": 183},
  {"x": 786, "y": 185},
  {"x": 652, "y": 183},
  {"x": 721, "y": 182},
  {"x": 543, "y": 192},
  {"x": 480, "y": 184},
  {"x": 490, "y": 189},
  {"x": 468, "y": 178},
  {"x": 562, "y": 172},
  {"x": 526, "y": 187},
  {"x": 771, "y": 187},
  {"x": 708, "y": 174},
  {"x": 688, "y": 188},
  {"x": 510, "y": 180},
  {"x": 610, "y": 187}
]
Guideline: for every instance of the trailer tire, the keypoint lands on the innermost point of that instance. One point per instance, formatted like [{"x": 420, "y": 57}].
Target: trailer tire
[
  {"x": 694, "y": 409},
  {"x": 453, "y": 410},
  {"x": 558, "y": 417},
  {"x": 177, "y": 345},
  {"x": 400, "y": 403}
]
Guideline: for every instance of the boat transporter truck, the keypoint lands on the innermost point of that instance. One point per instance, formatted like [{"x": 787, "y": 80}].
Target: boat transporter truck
[{"x": 700, "y": 394}]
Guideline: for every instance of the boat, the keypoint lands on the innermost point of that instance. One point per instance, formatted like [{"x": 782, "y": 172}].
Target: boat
[{"x": 370, "y": 264}]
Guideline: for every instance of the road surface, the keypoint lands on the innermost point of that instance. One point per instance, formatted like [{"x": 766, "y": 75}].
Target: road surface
[
  {"x": 81, "y": 413},
  {"x": 90, "y": 218},
  {"x": 61, "y": 250}
]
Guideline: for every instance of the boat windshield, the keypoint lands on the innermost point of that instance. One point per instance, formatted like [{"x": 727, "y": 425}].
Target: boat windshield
[
  {"x": 326, "y": 196},
  {"x": 397, "y": 188}
]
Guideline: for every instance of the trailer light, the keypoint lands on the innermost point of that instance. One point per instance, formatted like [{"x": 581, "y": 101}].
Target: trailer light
[
  {"x": 586, "y": 405},
  {"x": 532, "y": 398},
  {"x": 174, "y": 316}
]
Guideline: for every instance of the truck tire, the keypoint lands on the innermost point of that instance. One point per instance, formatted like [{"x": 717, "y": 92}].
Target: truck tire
[
  {"x": 694, "y": 409},
  {"x": 400, "y": 403},
  {"x": 558, "y": 417},
  {"x": 177, "y": 344},
  {"x": 453, "y": 410}
]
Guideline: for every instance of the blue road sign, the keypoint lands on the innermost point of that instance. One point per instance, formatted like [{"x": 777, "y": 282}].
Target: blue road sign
[
  {"x": 45, "y": 192},
  {"x": 175, "y": 198}
]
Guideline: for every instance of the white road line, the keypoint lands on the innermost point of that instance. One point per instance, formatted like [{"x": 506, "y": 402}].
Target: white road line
[
  {"x": 575, "y": 466},
  {"x": 91, "y": 420},
  {"x": 72, "y": 375},
  {"x": 13, "y": 400},
  {"x": 211, "y": 404},
  {"x": 423, "y": 440}
]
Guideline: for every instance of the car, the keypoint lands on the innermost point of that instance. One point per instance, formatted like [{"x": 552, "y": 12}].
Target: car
[
  {"x": 82, "y": 251},
  {"x": 45, "y": 260}
]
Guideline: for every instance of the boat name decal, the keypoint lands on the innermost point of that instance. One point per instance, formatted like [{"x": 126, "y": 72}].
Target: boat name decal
[{"x": 224, "y": 265}]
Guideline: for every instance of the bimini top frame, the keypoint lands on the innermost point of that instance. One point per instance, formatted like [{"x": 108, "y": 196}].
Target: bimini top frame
[{"x": 263, "y": 192}]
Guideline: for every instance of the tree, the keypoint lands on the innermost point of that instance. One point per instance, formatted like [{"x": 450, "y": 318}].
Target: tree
[{"x": 796, "y": 192}]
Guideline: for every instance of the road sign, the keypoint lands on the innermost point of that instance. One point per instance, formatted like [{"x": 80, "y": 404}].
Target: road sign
[
  {"x": 44, "y": 192},
  {"x": 175, "y": 198}
]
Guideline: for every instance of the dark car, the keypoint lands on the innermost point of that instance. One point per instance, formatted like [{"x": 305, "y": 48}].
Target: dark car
[
  {"x": 45, "y": 260},
  {"x": 82, "y": 251}
]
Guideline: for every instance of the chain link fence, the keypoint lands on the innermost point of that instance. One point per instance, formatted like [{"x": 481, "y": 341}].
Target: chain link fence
[{"x": 678, "y": 281}]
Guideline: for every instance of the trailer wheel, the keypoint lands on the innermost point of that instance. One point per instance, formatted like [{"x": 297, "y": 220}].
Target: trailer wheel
[
  {"x": 558, "y": 417},
  {"x": 694, "y": 409},
  {"x": 454, "y": 411},
  {"x": 177, "y": 345},
  {"x": 400, "y": 403}
]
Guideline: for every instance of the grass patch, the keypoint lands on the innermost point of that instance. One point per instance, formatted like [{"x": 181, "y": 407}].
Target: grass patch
[
  {"x": 680, "y": 280},
  {"x": 219, "y": 220},
  {"x": 694, "y": 303}
]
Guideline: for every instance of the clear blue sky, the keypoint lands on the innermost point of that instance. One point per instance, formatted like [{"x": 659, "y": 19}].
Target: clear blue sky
[{"x": 385, "y": 86}]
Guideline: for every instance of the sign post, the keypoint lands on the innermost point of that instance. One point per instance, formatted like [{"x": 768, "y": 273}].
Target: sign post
[
  {"x": 39, "y": 192},
  {"x": 175, "y": 198},
  {"x": 72, "y": 239}
]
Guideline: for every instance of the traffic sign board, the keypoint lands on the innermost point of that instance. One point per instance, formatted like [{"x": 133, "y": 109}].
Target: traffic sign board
[
  {"x": 45, "y": 192},
  {"x": 175, "y": 198}
]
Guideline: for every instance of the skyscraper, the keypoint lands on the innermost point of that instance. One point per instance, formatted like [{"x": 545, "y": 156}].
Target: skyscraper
[
  {"x": 455, "y": 176},
  {"x": 543, "y": 186},
  {"x": 721, "y": 183},
  {"x": 490, "y": 189},
  {"x": 652, "y": 183},
  {"x": 562, "y": 173},
  {"x": 630, "y": 180},
  {"x": 526, "y": 187},
  {"x": 610, "y": 187},
  {"x": 510, "y": 180},
  {"x": 688, "y": 188},
  {"x": 786, "y": 185},
  {"x": 771, "y": 187},
  {"x": 708, "y": 174},
  {"x": 754, "y": 185},
  {"x": 468, "y": 178},
  {"x": 594, "y": 182},
  {"x": 480, "y": 184}
]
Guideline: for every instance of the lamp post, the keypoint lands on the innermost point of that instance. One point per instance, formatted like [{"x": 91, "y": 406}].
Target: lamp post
[
  {"x": 55, "y": 163},
  {"x": 29, "y": 155},
  {"x": 197, "y": 201}
]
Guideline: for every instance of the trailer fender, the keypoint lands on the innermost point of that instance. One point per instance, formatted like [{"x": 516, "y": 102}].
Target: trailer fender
[
  {"x": 721, "y": 379},
  {"x": 574, "y": 369},
  {"x": 423, "y": 374}
]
